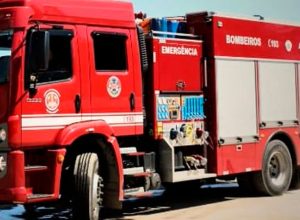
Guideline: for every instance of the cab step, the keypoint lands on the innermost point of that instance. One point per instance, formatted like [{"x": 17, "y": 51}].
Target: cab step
[
  {"x": 133, "y": 171},
  {"x": 40, "y": 197},
  {"x": 35, "y": 168},
  {"x": 131, "y": 151},
  {"x": 136, "y": 154},
  {"x": 136, "y": 172},
  {"x": 128, "y": 150},
  {"x": 139, "y": 193},
  {"x": 143, "y": 174},
  {"x": 134, "y": 192}
]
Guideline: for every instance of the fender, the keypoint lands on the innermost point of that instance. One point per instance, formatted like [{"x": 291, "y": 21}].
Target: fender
[
  {"x": 72, "y": 132},
  {"x": 114, "y": 143},
  {"x": 288, "y": 138}
]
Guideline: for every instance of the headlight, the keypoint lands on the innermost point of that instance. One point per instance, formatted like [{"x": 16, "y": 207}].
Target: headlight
[
  {"x": 3, "y": 135},
  {"x": 3, "y": 165}
]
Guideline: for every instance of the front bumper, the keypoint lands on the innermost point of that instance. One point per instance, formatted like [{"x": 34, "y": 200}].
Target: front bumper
[{"x": 12, "y": 183}]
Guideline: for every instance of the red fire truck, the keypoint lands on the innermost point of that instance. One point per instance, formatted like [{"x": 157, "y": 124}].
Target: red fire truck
[{"x": 94, "y": 111}]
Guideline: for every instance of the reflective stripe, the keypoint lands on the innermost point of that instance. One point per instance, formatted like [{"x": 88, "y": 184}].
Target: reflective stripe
[{"x": 58, "y": 121}]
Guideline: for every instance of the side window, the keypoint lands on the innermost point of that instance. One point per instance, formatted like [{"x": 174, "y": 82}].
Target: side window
[
  {"x": 60, "y": 58},
  {"x": 5, "y": 52},
  {"x": 4, "y": 68},
  {"x": 110, "y": 51}
]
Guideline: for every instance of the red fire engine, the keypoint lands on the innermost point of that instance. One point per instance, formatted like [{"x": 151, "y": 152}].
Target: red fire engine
[{"x": 95, "y": 111}]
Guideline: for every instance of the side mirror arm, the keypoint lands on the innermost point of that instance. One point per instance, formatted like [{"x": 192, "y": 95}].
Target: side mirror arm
[{"x": 32, "y": 84}]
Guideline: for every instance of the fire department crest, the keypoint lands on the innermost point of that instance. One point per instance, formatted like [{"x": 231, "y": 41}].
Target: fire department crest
[
  {"x": 288, "y": 46},
  {"x": 52, "y": 100},
  {"x": 114, "y": 86}
]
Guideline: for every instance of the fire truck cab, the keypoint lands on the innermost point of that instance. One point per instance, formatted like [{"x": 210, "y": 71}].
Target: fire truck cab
[{"x": 78, "y": 62}]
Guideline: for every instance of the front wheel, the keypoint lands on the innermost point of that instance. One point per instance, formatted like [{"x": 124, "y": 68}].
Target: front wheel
[
  {"x": 88, "y": 185},
  {"x": 277, "y": 170}
]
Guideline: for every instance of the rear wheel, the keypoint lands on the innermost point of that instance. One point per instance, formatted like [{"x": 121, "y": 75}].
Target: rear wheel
[
  {"x": 277, "y": 170},
  {"x": 88, "y": 185},
  {"x": 295, "y": 184},
  {"x": 245, "y": 182}
]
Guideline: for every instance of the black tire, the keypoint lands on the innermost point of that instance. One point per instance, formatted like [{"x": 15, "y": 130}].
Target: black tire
[
  {"x": 277, "y": 170},
  {"x": 295, "y": 184},
  {"x": 246, "y": 184},
  {"x": 30, "y": 210},
  {"x": 88, "y": 185},
  {"x": 182, "y": 188}
]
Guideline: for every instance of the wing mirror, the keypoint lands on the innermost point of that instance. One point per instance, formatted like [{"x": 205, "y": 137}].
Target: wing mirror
[{"x": 39, "y": 55}]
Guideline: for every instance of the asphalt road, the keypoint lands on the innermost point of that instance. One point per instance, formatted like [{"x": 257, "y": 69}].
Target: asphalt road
[{"x": 212, "y": 202}]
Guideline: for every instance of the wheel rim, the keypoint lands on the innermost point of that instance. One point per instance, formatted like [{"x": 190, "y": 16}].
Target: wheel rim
[
  {"x": 276, "y": 168},
  {"x": 96, "y": 192}
]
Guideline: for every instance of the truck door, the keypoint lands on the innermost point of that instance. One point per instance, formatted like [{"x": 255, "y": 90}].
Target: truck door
[
  {"x": 113, "y": 95},
  {"x": 56, "y": 102}
]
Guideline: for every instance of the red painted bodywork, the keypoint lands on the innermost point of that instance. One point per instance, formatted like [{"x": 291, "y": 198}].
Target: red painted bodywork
[
  {"x": 273, "y": 38},
  {"x": 170, "y": 68},
  {"x": 31, "y": 127},
  {"x": 173, "y": 72},
  {"x": 13, "y": 184},
  {"x": 233, "y": 159}
]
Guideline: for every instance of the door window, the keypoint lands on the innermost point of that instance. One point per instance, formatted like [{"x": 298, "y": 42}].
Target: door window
[
  {"x": 110, "y": 51},
  {"x": 5, "y": 52},
  {"x": 60, "y": 58}
]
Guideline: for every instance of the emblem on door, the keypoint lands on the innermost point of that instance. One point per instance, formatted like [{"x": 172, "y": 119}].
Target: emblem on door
[
  {"x": 52, "y": 101},
  {"x": 114, "y": 86}
]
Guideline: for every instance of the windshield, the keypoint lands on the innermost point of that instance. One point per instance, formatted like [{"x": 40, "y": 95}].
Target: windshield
[{"x": 5, "y": 52}]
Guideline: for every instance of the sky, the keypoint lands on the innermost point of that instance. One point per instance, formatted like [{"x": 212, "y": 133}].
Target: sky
[{"x": 273, "y": 10}]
